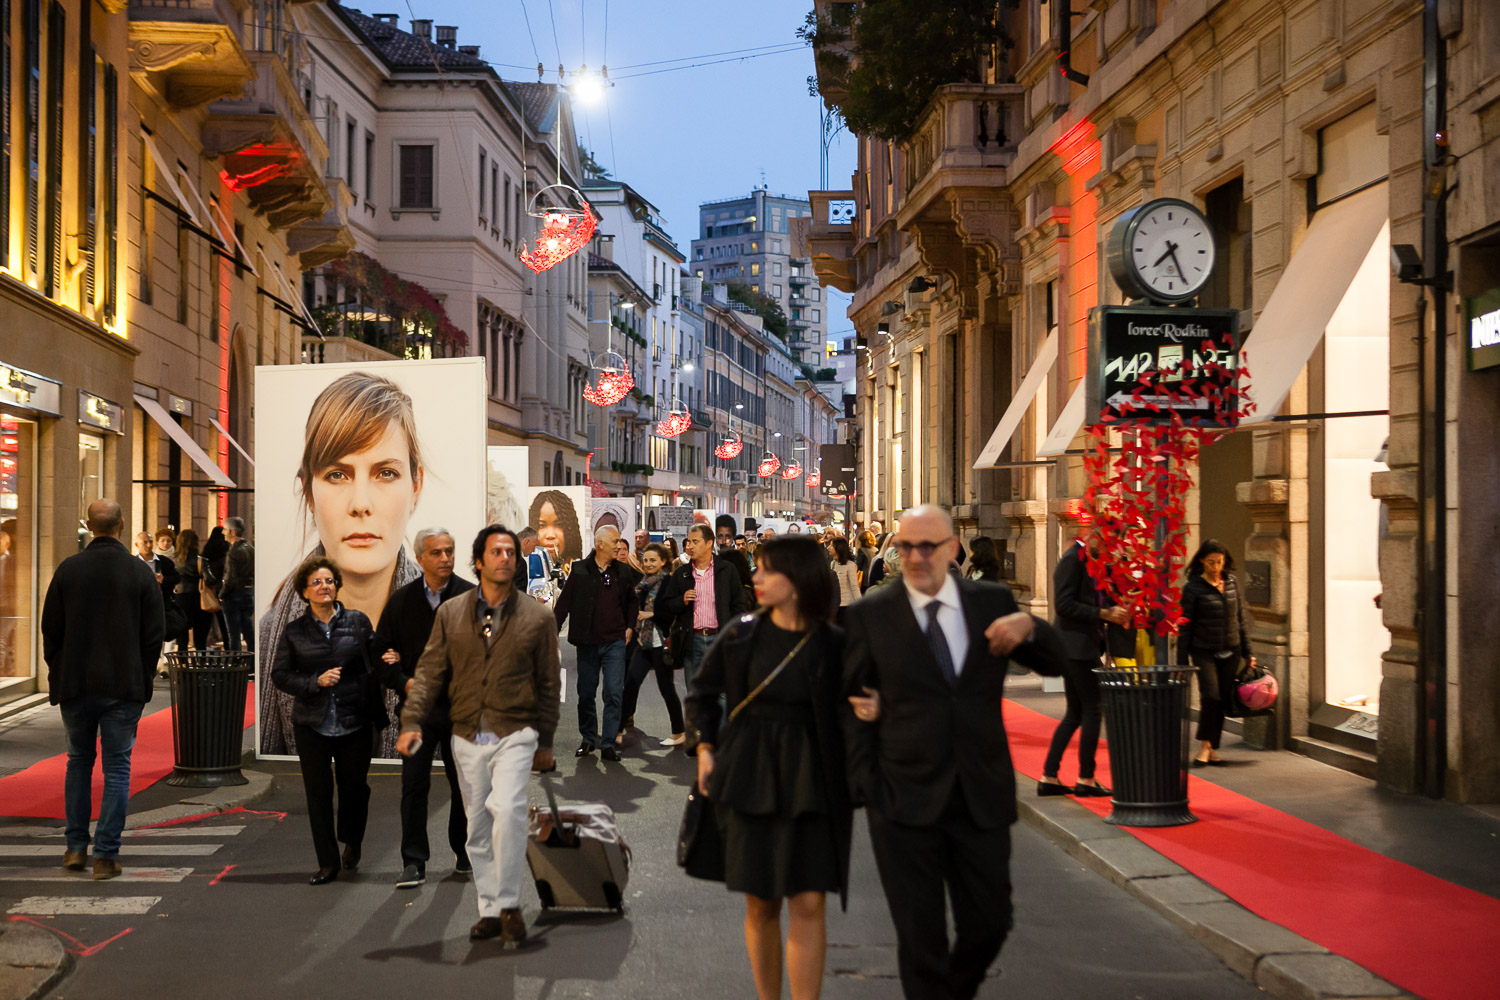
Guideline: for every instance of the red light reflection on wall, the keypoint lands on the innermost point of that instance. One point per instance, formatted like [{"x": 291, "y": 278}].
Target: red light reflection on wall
[
  {"x": 1078, "y": 150},
  {"x": 255, "y": 165}
]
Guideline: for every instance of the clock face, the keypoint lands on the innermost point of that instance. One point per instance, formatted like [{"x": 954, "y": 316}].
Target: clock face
[{"x": 1166, "y": 251}]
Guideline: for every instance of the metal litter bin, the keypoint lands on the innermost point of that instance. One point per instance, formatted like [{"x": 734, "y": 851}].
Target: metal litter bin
[
  {"x": 1146, "y": 711},
  {"x": 208, "y": 717}
]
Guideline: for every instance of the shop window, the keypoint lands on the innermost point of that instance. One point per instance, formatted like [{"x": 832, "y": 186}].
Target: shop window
[
  {"x": 17, "y": 552},
  {"x": 1351, "y": 155}
]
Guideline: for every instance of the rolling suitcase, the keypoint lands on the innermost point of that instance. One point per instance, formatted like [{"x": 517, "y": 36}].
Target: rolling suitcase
[{"x": 577, "y": 856}]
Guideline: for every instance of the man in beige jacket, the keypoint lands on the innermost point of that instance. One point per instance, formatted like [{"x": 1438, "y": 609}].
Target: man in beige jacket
[{"x": 494, "y": 650}]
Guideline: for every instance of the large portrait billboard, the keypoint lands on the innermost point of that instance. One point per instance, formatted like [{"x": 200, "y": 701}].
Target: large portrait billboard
[{"x": 353, "y": 460}]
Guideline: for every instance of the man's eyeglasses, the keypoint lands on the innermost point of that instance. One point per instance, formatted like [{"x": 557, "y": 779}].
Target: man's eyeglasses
[{"x": 923, "y": 549}]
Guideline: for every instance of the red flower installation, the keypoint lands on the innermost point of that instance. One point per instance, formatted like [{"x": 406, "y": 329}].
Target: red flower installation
[
  {"x": 675, "y": 424},
  {"x": 563, "y": 234},
  {"x": 730, "y": 447},
  {"x": 792, "y": 470},
  {"x": 768, "y": 466},
  {"x": 814, "y": 478},
  {"x": 612, "y": 381},
  {"x": 1144, "y": 485}
]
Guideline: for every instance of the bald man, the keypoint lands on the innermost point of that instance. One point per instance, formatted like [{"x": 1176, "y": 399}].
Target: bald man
[{"x": 102, "y": 630}]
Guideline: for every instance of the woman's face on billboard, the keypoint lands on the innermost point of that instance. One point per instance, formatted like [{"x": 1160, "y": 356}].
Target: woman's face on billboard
[
  {"x": 549, "y": 531},
  {"x": 362, "y": 502}
]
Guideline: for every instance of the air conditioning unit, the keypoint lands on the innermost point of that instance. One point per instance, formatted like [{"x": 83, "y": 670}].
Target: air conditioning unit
[{"x": 737, "y": 476}]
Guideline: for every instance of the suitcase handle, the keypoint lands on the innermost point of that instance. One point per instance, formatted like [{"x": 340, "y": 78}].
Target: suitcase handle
[{"x": 559, "y": 832}]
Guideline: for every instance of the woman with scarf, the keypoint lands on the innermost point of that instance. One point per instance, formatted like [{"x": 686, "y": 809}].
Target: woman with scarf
[{"x": 651, "y": 646}]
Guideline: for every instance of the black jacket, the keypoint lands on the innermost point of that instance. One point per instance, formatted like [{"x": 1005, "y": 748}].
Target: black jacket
[
  {"x": 723, "y": 681},
  {"x": 931, "y": 735},
  {"x": 581, "y": 593},
  {"x": 741, "y": 565},
  {"x": 404, "y": 626},
  {"x": 729, "y": 597},
  {"x": 239, "y": 568},
  {"x": 1077, "y": 602},
  {"x": 170, "y": 577},
  {"x": 303, "y": 654},
  {"x": 102, "y": 625},
  {"x": 1215, "y": 622}
]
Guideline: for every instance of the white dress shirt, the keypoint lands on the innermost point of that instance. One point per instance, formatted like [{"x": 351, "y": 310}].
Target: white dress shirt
[{"x": 950, "y": 618}]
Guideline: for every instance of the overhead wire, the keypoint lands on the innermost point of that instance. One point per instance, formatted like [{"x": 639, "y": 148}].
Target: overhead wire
[
  {"x": 716, "y": 62},
  {"x": 534, "y": 50}
]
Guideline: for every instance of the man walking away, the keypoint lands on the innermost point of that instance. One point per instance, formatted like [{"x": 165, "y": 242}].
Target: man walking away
[
  {"x": 238, "y": 592},
  {"x": 102, "y": 630},
  {"x": 405, "y": 625},
  {"x": 599, "y": 603},
  {"x": 936, "y": 776},
  {"x": 495, "y": 655}
]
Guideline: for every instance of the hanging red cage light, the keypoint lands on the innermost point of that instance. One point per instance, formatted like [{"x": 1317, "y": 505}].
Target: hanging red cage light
[
  {"x": 792, "y": 471},
  {"x": 565, "y": 229},
  {"x": 768, "y": 465},
  {"x": 814, "y": 478},
  {"x": 611, "y": 380},
  {"x": 677, "y": 420},
  {"x": 731, "y": 446}
]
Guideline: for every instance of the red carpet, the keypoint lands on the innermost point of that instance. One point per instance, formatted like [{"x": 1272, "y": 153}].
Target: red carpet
[
  {"x": 38, "y": 790},
  {"x": 1428, "y": 936}
]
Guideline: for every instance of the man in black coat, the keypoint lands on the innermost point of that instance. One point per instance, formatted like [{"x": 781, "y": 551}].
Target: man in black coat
[
  {"x": 931, "y": 763},
  {"x": 400, "y": 638},
  {"x": 102, "y": 630},
  {"x": 599, "y": 603},
  {"x": 1089, "y": 621},
  {"x": 683, "y": 610},
  {"x": 724, "y": 532}
]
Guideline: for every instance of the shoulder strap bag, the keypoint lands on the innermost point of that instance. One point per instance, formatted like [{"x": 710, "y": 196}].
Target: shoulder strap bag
[
  {"x": 700, "y": 844},
  {"x": 207, "y": 599}
]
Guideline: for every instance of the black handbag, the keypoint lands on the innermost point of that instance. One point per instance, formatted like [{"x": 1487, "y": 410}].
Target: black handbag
[{"x": 700, "y": 843}]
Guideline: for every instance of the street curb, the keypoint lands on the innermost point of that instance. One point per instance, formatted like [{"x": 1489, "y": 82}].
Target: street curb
[
  {"x": 206, "y": 801},
  {"x": 1267, "y": 955},
  {"x": 32, "y": 961}
]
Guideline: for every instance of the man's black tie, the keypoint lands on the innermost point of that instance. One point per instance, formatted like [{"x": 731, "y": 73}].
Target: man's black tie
[{"x": 939, "y": 642}]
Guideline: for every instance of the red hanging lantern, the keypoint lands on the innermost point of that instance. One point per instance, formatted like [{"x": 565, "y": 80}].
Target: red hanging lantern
[
  {"x": 792, "y": 471},
  {"x": 612, "y": 380},
  {"x": 565, "y": 229},
  {"x": 730, "y": 446},
  {"x": 677, "y": 421},
  {"x": 768, "y": 466},
  {"x": 814, "y": 478}
]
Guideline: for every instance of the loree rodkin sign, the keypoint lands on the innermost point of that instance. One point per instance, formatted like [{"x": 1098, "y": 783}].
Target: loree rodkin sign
[{"x": 1126, "y": 342}]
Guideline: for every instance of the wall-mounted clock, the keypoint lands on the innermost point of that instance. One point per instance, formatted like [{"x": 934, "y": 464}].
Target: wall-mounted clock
[{"x": 1162, "y": 251}]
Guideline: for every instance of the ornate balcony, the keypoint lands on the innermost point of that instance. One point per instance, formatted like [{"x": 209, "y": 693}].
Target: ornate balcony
[
  {"x": 319, "y": 241},
  {"x": 270, "y": 150},
  {"x": 830, "y": 238},
  {"x": 188, "y": 52}
]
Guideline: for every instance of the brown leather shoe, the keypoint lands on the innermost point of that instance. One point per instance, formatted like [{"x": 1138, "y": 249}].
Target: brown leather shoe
[
  {"x": 512, "y": 928},
  {"x": 75, "y": 861},
  {"x": 487, "y": 927},
  {"x": 105, "y": 868}
]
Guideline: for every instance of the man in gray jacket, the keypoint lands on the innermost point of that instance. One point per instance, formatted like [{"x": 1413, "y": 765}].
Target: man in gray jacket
[{"x": 102, "y": 630}]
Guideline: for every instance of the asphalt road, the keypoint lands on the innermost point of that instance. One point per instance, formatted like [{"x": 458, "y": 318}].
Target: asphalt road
[{"x": 240, "y": 921}]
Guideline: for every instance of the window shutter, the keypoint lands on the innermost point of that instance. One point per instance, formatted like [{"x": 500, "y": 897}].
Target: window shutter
[
  {"x": 33, "y": 42},
  {"x": 56, "y": 36},
  {"x": 89, "y": 80},
  {"x": 111, "y": 192}
]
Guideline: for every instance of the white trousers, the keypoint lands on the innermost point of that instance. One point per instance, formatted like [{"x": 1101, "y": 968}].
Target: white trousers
[{"x": 494, "y": 780}]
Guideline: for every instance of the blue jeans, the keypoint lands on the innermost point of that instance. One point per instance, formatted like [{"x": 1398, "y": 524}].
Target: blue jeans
[
  {"x": 239, "y": 614},
  {"x": 111, "y": 722},
  {"x": 607, "y": 658},
  {"x": 701, "y": 643}
]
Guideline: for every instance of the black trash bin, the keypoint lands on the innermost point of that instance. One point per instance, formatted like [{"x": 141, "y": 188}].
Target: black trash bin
[
  {"x": 1146, "y": 711},
  {"x": 208, "y": 717}
]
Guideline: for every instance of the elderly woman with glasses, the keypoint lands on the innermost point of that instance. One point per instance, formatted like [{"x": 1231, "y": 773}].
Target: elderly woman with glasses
[{"x": 323, "y": 661}]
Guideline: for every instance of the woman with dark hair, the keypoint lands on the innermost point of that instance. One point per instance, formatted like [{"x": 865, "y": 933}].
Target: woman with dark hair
[
  {"x": 864, "y": 556},
  {"x": 556, "y": 523},
  {"x": 215, "y": 552},
  {"x": 651, "y": 646},
  {"x": 845, "y": 572},
  {"x": 673, "y": 557},
  {"x": 188, "y": 598},
  {"x": 323, "y": 662},
  {"x": 1214, "y": 638},
  {"x": 983, "y": 563},
  {"x": 774, "y": 770}
]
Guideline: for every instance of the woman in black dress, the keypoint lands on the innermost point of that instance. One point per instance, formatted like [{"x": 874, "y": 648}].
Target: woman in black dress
[
  {"x": 1215, "y": 639},
  {"x": 322, "y": 660},
  {"x": 775, "y": 773}
]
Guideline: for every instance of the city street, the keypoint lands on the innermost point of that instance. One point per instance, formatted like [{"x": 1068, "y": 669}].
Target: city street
[{"x": 221, "y": 907}]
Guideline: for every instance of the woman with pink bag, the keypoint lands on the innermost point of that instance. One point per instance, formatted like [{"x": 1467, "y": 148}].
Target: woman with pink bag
[{"x": 1215, "y": 639}]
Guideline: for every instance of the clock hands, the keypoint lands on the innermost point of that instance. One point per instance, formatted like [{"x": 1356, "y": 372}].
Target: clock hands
[{"x": 1171, "y": 248}]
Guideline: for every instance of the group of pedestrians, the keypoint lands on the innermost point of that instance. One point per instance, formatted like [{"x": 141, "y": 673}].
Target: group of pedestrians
[{"x": 207, "y": 586}]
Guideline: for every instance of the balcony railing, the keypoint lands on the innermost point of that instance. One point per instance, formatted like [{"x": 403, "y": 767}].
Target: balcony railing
[
  {"x": 317, "y": 351},
  {"x": 967, "y": 126}
]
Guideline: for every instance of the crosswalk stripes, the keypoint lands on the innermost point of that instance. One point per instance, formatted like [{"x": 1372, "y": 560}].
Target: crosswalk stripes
[{"x": 33, "y": 855}]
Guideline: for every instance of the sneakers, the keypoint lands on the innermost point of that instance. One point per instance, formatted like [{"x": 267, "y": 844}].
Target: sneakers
[
  {"x": 463, "y": 866},
  {"x": 411, "y": 877},
  {"x": 106, "y": 868},
  {"x": 75, "y": 861}
]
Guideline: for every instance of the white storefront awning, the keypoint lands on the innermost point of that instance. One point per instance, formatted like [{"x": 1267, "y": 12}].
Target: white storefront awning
[
  {"x": 1340, "y": 240},
  {"x": 184, "y": 441},
  {"x": 230, "y": 438},
  {"x": 1041, "y": 367},
  {"x": 1069, "y": 423},
  {"x": 168, "y": 175}
]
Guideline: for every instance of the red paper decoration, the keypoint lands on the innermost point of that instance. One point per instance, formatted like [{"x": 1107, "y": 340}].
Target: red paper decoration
[
  {"x": 768, "y": 466},
  {"x": 612, "y": 381},
  {"x": 814, "y": 478},
  {"x": 563, "y": 234},
  {"x": 731, "y": 446},
  {"x": 792, "y": 470},
  {"x": 673, "y": 425}
]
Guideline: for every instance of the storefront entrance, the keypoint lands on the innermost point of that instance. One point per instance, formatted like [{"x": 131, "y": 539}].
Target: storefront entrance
[{"x": 18, "y": 555}]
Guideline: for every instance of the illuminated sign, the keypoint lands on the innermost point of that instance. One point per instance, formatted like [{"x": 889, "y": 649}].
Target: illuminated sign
[
  {"x": 1128, "y": 342},
  {"x": 1484, "y": 330},
  {"x": 96, "y": 411},
  {"x": 29, "y": 390}
]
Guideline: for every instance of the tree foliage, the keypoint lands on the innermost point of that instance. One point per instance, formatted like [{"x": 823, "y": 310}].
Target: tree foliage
[
  {"x": 592, "y": 168},
  {"x": 767, "y": 308},
  {"x": 903, "y": 50}
]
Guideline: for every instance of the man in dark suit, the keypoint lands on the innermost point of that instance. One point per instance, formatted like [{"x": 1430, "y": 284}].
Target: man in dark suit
[
  {"x": 698, "y": 601},
  {"x": 931, "y": 761},
  {"x": 1087, "y": 618},
  {"x": 405, "y": 625},
  {"x": 102, "y": 630}
]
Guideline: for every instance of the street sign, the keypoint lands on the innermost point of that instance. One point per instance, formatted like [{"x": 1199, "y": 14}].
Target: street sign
[
  {"x": 837, "y": 469},
  {"x": 1126, "y": 342}
]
